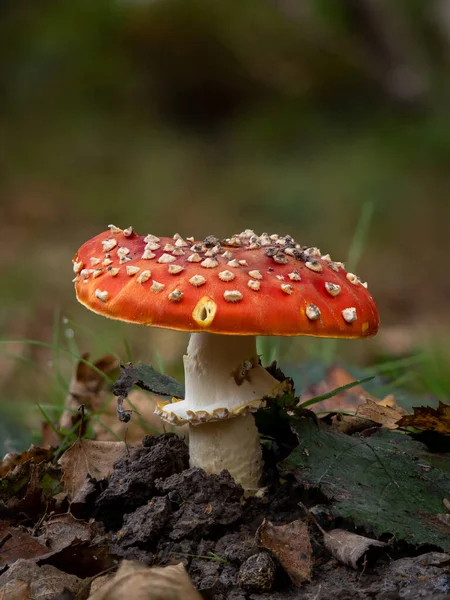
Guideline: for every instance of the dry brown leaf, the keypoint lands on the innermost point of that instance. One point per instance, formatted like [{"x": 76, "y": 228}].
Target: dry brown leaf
[
  {"x": 17, "y": 544},
  {"x": 349, "y": 548},
  {"x": 156, "y": 583},
  {"x": 429, "y": 419},
  {"x": 88, "y": 457},
  {"x": 61, "y": 531},
  {"x": 24, "y": 580},
  {"x": 33, "y": 454},
  {"x": 291, "y": 545},
  {"x": 381, "y": 413}
]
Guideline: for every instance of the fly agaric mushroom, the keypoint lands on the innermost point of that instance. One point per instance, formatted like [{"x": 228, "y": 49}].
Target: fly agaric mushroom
[{"x": 225, "y": 292}]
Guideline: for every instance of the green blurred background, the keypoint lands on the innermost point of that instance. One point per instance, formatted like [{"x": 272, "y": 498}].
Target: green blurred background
[{"x": 328, "y": 120}]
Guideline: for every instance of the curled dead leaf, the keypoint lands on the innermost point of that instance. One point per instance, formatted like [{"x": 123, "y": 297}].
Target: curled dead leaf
[
  {"x": 349, "y": 548},
  {"x": 156, "y": 583},
  {"x": 291, "y": 545},
  {"x": 88, "y": 457},
  {"x": 429, "y": 419}
]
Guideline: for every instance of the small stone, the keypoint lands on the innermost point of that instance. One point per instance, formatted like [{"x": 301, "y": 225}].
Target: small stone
[{"x": 257, "y": 573}]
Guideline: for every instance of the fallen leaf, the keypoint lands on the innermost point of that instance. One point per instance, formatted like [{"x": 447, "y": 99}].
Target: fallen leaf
[
  {"x": 24, "y": 580},
  {"x": 28, "y": 490},
  {"x": 387, "y": 483},
  {"x": 33, "y": 454},
  {"x": 381, "y": 413},
  {"x": 88, "y": 457},
  {"x": 429, "y": 419},
  {"x": 16, "y": 544},
  {"x": 156, "y": 583},
  {"x": 351, "y": 549},
  {"x": 61, "y": 531},
  {"x": 291, "y": 545}
]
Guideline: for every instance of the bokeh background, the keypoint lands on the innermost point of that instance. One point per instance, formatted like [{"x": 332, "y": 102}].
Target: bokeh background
[{"x": 328, "y": 120}]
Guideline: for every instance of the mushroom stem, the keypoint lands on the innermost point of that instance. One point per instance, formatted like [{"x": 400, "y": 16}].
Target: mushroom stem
[
  {"x": 233, "y": 445},
  {"x": 223, "y": 379}
]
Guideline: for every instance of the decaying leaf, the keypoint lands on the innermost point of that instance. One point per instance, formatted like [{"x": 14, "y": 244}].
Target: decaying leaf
[
  {"x": 29, "y": 490},
  {"x": 381, "y": 412},
  {"x": 144, "y": 583},
  {"x": 33, "y": 454},
  {"x": 61, "y": 531},
  {"x": 429, "y": 419},
  {"x": 24, "y": 580},
  {"x": 88, "y": 457},
  {"x": 351, "y": 549},
  {"x": 16, "y": 544},
  {"x": 291, "y": 545},
  {"x": 387, "y": 483}
]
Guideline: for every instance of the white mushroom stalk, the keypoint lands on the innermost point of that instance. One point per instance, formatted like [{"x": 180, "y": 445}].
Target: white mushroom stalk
[{"x": 224, "y": 384}]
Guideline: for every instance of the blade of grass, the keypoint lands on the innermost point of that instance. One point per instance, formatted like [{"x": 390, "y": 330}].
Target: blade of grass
[{"x": 334, "y": 392}]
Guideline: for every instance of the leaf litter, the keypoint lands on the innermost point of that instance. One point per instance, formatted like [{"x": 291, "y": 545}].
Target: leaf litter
[{"x": 80, "y": 525}]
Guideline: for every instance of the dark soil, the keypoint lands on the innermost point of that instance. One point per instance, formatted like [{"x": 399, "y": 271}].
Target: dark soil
[{"x": 159, "y": 511}]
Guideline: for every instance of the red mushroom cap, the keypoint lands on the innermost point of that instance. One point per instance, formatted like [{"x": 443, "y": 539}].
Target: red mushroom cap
[{"x": 244, "y": 285}]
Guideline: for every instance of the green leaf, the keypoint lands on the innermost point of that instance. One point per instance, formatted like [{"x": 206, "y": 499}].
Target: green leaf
[
  {"x": 387, "y": 483},
  {"x": 147, "y": 378}
]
